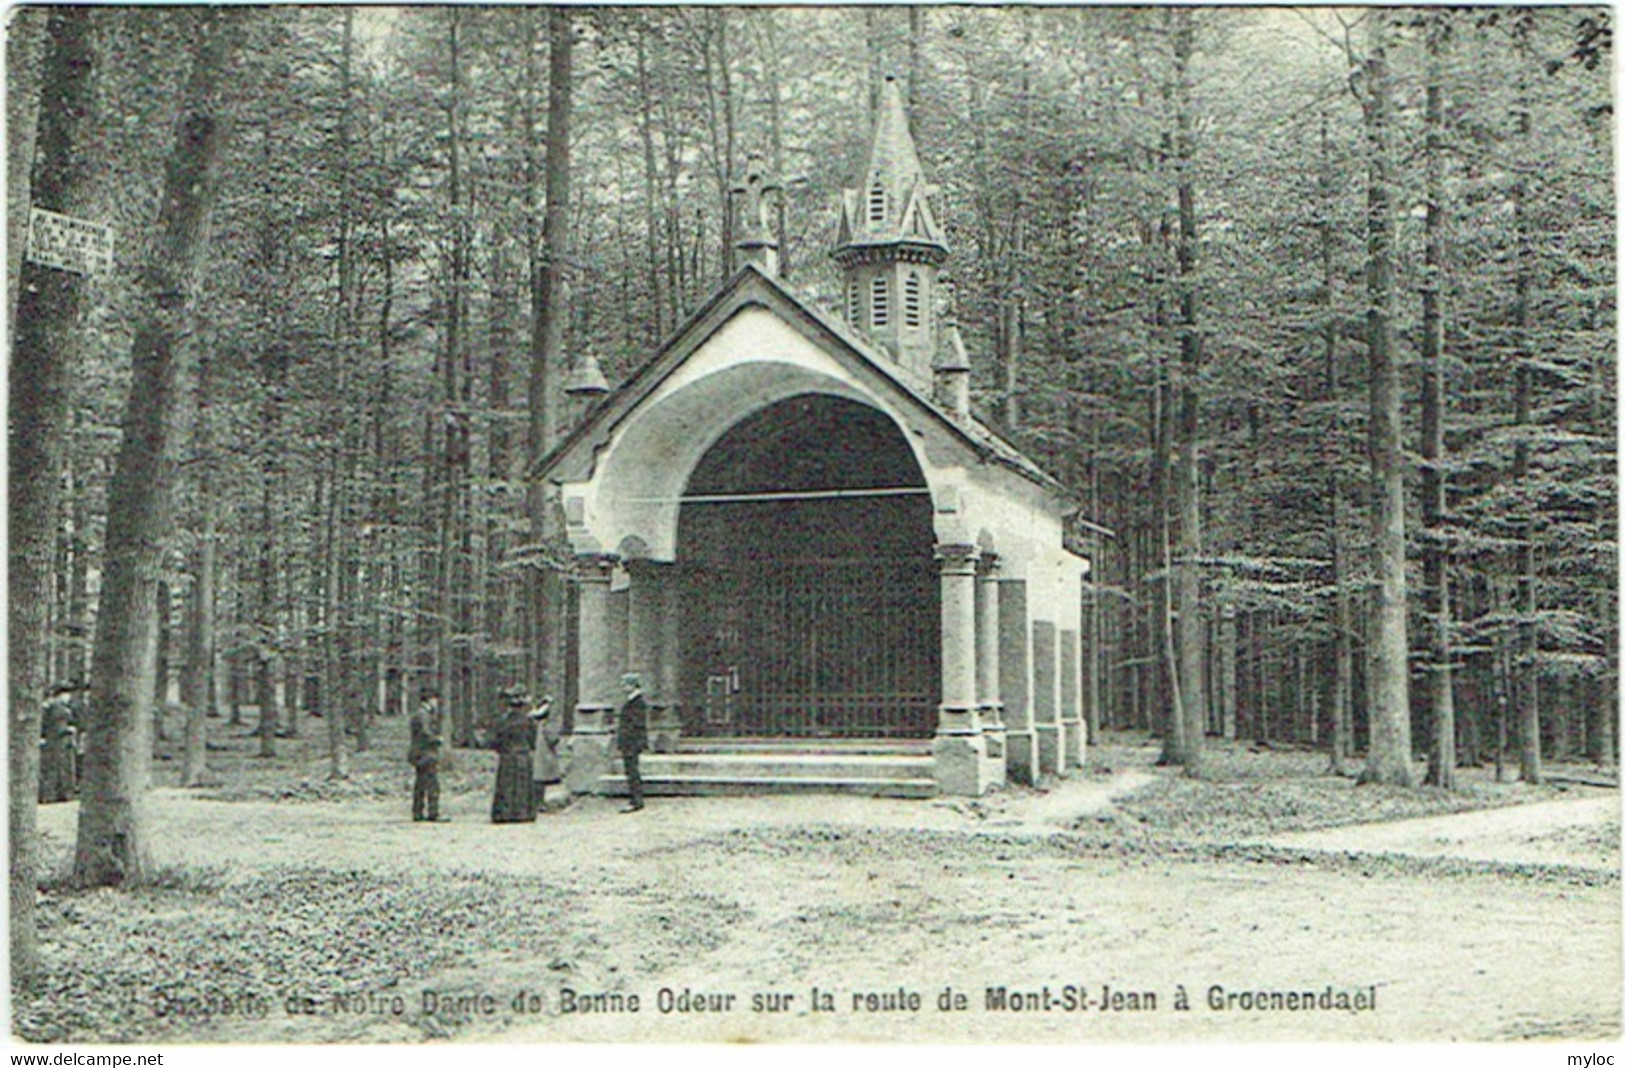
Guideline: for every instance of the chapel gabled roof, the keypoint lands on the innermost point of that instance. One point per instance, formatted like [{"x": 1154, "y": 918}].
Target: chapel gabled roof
[{"x": 750, "y": 286}]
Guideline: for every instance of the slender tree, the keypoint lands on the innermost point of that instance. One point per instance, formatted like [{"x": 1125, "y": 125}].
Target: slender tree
[
  {"x": 1436, "y": 566},
  {"x": 1389, "y": 756},
  {"x": 1192, "y": 638},
  {"x": 111, "y": 844},
  {"x": 48, "y": 306},
  {"x": 1525, "y": 676},
  {"x": 548, "y": 322}
]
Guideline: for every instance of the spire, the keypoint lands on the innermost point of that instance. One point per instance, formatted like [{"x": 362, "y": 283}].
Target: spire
[
  {"x": 892, "y": 202},
  {"x": 892, "y": 158}
]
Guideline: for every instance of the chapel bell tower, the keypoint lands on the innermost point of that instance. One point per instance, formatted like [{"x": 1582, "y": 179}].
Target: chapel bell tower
[{"x": 890, "y": 244}]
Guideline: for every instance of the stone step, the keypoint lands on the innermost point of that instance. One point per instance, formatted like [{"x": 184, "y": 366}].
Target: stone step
[
  {"x": 780, "y": 765},
  {"x": 746, "y": 785},
  {"x": 811, "y": 746}
]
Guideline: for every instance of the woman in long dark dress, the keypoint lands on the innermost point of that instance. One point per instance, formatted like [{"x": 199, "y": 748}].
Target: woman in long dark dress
[{"x": 513, "y": 738}]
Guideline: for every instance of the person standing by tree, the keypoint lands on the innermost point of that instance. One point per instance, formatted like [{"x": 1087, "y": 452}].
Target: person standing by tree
[
  {"x": 423, "y": 753},
  {"x": 59, "y": 747},
  {"x": 632, "y": 737}
]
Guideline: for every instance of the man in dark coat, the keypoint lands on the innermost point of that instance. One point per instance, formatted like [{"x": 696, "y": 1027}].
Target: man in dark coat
[
  {"x": 423, "y": 753},
  {"x": 632, "y": 737}
]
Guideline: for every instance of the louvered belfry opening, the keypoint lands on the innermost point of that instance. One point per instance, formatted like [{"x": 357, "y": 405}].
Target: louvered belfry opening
[{"x": 810, "y": 592}]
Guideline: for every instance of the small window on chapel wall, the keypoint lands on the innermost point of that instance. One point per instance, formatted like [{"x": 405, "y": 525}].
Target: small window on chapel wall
[
  {"x": 879, "y": 302},
  {"x": 852, "y": 302},
  {"x": 877, "y": 204},
  {"x": 911, "y": 300}
]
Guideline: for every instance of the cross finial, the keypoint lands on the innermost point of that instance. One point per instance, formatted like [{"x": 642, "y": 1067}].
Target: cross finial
[{"x": 755, "y": 244}]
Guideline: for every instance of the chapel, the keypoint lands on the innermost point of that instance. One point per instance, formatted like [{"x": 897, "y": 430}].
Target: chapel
[{"x": 829, "y": 574}]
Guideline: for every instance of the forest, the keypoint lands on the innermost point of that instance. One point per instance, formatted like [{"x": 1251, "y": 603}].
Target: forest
[{"x": 1312, "y": 309}]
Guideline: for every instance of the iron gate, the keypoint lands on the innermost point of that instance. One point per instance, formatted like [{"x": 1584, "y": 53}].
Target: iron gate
[{"x": 813, "y": 649}]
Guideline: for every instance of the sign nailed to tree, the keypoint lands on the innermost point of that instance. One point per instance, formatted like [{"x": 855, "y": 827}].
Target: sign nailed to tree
[{"x": 69, "y": 244}]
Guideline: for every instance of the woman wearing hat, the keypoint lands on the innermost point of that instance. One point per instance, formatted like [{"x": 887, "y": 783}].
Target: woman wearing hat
[{"x": 513, "y": 738}]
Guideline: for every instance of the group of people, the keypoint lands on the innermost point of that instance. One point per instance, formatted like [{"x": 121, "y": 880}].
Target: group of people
[{"x": 525, "y": 737}]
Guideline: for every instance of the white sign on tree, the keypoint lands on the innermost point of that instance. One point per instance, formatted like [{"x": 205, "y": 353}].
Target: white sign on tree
[{"x": 69, "y": 244}]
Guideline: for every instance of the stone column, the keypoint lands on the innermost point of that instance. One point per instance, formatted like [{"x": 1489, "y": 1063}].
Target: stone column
[
  {"x": 988, "y": 702},
  {"x": 671, "y": 657},
  {"x": 587, "y": 749},
  {"x": 620, "y": 608},
  {"x": 1015, "y": 682},
  {"x": 648, "y": 635},
  {"x": 959, "y": 750},
  {"x": 1072, "y": 733},
  {"x": 1046, "y": 721}
]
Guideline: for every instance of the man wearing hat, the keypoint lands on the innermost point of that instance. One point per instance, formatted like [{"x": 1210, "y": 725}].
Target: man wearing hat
[
  {"x": 423, "y": 753},
  {"x": 632, "y": 737}
]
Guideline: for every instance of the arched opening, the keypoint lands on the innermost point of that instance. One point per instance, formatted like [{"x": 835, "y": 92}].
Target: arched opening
[{"x": 810, "y": 594}]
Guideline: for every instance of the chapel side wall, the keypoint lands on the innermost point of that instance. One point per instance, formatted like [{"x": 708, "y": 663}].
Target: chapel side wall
[{"x": 1046, "y": 730}]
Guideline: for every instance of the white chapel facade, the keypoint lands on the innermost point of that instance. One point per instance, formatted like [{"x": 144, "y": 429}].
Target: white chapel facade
[{"x": 792, "y": 527}]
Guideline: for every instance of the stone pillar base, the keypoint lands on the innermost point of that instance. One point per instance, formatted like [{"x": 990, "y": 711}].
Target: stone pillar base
[
  {"x": 1076, "y": 743},
  {"x": 959, "y": 764},
  {"x": 993, "y": 738},
  {"x": 1051, "y": 748},
  {"x": 1021, "y": 757},
  {"x": 993, "y": 728},
  {"x": 665, "y": 728},
  {"x": 588, "y": 753}
]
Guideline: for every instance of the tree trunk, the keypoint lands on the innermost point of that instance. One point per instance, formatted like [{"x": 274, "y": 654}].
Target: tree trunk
[
  {"x": 343, "y": 449},
  {"x": 771, "y": 74},
  {"x": 1388, "y": 758},
  {"x": 548, "y": 317},
  {"x": 47, "y": 311},
  {"x": 1162, "y": 653},
  {"x": 548, "y": 307},
  {"x": 1098, "y": 689},
  {"x": 111, "y": 846},
  {"x": 200, "y": 653},
  {"x": 1342, "y": 621},
  {"x": 916, "y": 66},
  {"x": 876, "y": 57},
  {"x": 1435, "y": 564},
  {"x": 1192, "y": 668},
  {"x": 1525, "y": 667},
  {"x": 651, "y": 188}
]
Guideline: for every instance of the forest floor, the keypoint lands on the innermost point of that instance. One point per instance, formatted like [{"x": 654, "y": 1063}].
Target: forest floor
[{"x": 287, "y": 908}]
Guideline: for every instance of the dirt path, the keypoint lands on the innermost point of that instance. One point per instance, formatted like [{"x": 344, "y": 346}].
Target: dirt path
[
  {"x": 853, "y": 896},
  {"x": 1581, "y": 833},
  {"x": 380, "y": 834}
]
